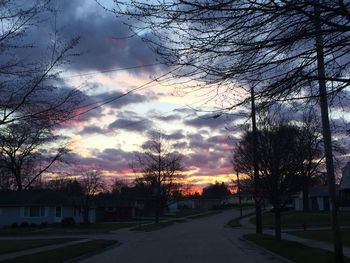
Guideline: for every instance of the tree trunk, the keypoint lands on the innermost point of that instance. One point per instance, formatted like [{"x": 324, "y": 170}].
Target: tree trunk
[
  {"x": 327, "y": 137},
  {"x": 157, "y": 211},
  {"x": 277, "y": 212},
  {"x": 18, "y": 181},
  {"x": 258, "y": 215},
  {"x": 86, "y": 214},
  {"x": 306, "y": 207},
  {"x": 239, "y": 196}
]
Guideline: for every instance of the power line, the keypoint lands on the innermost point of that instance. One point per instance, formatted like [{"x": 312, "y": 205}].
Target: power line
[
  {"x": 112, "y": 70},
  {"x": 114, "y": 98}
]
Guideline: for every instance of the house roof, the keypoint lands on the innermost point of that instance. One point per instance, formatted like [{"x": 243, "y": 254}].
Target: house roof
[{"x": 38, "y": 197}]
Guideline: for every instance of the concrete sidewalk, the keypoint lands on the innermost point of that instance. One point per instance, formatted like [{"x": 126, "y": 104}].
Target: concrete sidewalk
[{"x": 245, "y": 222}]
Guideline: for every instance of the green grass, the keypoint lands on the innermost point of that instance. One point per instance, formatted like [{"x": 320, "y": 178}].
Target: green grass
[
  {"x": 65, "y": 253},
  {"x": 323, "y": 235},
  {"x": 58, "y": 229},
  {"x": 8, "y": 246},
  {"x": 297, "y": 219},
  {"x": 293, "y": 251}
]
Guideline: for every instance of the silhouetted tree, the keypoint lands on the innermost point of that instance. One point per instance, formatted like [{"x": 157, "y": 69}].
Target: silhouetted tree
[
  {"x": 27, "y": 82},
  {"x": 282, "y": 50},
  {"x": 160, "y": 168},
  {"x": 27, "y": 151},
  {"x": 277, "y": 152},
  {"x": 217, "y": 190},
  {"x": 91, "y": 183}
]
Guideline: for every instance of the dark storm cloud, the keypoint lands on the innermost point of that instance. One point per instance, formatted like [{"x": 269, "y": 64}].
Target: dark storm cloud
[
  {"x": 131, "y": 125},
  {"x": 91, "y": 130},
  {"x": 113, "y": 160},
  {"x": 99, "y": 45},
  {"x": 98, "y": 31},
  {"x": 176, "y": 135},
  {"x": 131, "y": 121},
  {"x": 121, "y": 101}
]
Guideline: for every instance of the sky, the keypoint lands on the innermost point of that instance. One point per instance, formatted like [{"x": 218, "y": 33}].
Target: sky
[{"x": 110, "y": 63}]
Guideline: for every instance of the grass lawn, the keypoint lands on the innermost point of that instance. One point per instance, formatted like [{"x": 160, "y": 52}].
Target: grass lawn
[
  {"x": 297, "y": 219},
  {"x": 323, "y": 235},
  {"x": 293, "y": 251},
  {"x": 8, "y": 246},
  {"x": 65, "y": 253},
  {"x": 58, "y": 229}
]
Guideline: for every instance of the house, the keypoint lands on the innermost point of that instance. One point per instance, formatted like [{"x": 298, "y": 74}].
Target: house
[
  {"x": 344, "y": 188},
  {"x": 318, "y": 199},
  {"x": 41, "y": 206},
  {"x": 246, "y": 199},
  {"x": 200, "y": 203},
  {"x": 115, "y": 208}
]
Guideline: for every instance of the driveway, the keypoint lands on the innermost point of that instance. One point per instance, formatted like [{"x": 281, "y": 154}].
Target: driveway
[{"x": 197, "y": 241}]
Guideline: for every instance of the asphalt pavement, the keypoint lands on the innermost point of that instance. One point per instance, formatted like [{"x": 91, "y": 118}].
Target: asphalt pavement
[{"x": 203, "y": 240}]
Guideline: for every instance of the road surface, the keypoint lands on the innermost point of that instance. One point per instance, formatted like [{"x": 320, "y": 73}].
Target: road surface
[{"x": 204, "y": 240}]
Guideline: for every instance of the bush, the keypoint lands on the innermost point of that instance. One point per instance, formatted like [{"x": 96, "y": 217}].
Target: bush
[
  {"x": 33, "y": 225},
  {"x": 68, "y": 221},
  {"x": 24, "y": 224},
  {"x": 14, "y": 225}
]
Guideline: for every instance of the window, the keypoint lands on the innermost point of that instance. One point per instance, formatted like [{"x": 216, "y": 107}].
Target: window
[
  {"x": 34, "y": 211},
  {"x": 58, "y": 211}
]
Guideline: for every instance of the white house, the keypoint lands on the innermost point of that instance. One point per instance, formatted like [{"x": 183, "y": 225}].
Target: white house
[
  {"x": 318, "y": 199},
  {"x": 40, "y": 206}
]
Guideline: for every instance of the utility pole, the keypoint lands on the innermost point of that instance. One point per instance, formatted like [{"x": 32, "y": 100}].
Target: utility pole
[
  {"x": 258, "y": 215},
  {"x": 239, "y": 195},
  {"x": 327, "y": 138}
]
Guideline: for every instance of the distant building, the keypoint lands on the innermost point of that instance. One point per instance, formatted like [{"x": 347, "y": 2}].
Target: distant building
[
  {"x": 318, "y": 199},
  {"x": 196, "y": 203},
  {"x": 41, "y": 206},
  {"x": 344, "y": 188},
  {"x": 115, "y": 208},
  {"x": 246, "y": 199}
]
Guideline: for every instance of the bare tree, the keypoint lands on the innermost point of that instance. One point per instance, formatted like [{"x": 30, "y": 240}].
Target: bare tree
[
  {"x": 27, "y": 150},
  {"x": 27, "y": 83},
  {"x": 277, "y": 150},
  {"x": 92, "y": 183},
  {"x": 285, "y": 50},
  {"x": 118, "y": 185},
  {"x": 160, "y": 168},
  {"x": 310, "y": 155}
]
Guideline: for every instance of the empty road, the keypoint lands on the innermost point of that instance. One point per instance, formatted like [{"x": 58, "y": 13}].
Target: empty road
[{"x": 204, "y": 240}]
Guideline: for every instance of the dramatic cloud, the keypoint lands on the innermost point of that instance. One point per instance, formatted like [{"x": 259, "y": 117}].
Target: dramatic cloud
[
  {"x": 211, "y": 121},
  {"x": 117, "y": 99}
]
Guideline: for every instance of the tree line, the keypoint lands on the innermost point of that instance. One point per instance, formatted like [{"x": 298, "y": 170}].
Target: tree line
[{"x": 271, "y": 51}]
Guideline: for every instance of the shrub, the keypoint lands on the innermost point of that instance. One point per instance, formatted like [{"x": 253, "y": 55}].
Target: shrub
[
  {"x": 14, "y": 225},
  {"x": 24, "y": 224},
  {"x": 68, "y": 221},
  {"x": 33, "y": 225}
]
